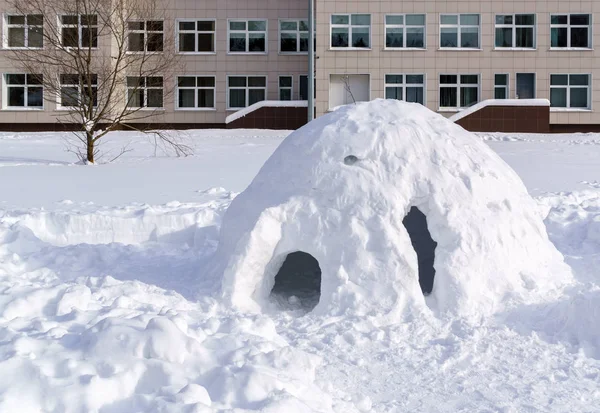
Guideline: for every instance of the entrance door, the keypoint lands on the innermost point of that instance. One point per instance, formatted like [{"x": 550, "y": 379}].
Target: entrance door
[{"x": 525, "y": 85}]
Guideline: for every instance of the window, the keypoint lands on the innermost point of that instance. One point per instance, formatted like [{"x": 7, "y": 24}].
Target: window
[
  {"x": 76, "y": 90},
  {"x": 515, "y": 30},
  {"x": 525, "y": 85},
  {"x": 570, "y": 91},
  {"x": 196, "y": 36},
  {"x": 248, "y": 36},
  {"x": 145, "y": 92},
  {"x": 351, "y": 30},
  {"x": 458, "y": 91},
  {"x": 145, "y": 36},
  {"x": 24, "y": 31},
  {"x": 347, "y": 89},
  {"x": 571, "y": 30},
  {"x": 79, "y": 30},
  {"x": 195, "y": 92},
  {"x": 501, "y": 86},
  {"x": 293, "y": 36},
  {"x": 23, "y": 91},
  {"x": 405, "y": 31},
  {"x": 410, "y": 88},
  {"x": 244, "y": 91},
  {"x": 303, "y": 87},
  {"x": 285, "y": 87},
  {"x": 459, "y": 31}
]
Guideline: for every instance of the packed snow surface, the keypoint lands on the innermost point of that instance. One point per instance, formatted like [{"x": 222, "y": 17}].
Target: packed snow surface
[
  {"x": 125, "y": 319},
  {"x": 339, "y": 188}
]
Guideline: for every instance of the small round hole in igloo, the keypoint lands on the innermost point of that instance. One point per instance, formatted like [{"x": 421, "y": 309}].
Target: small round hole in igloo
[
  {"x": 415, "y": 223},
  {"x": 298, "y": 282}
]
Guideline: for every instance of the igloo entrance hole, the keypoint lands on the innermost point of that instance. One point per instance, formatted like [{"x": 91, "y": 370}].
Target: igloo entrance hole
[
  {"x": 298, "y": 282},
  {"x": 416, "y": 225}
]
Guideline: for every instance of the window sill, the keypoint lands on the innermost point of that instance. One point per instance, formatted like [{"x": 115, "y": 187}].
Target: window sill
[
  {"x": 141, "y": 52},
  {"x": 515, "y": 49},
  {"x": 404, "y": 49},
  {"x": 459, "y": 49},
  {"x": 293, "y": 53},
  {"x": 21, "y": 109},
  {"x": 196, "y": 53},
  {"x": 350, "y": 49},
  {"x": 576, "y": 110},
  {"x": 570, "y": 49},
  {"x": 450, "y": 110},
  {"x": 21, "y": 48},
  {"x": 248, "y": 53},
  {"x": 148, "y": 109},
  {"x": 195, "y": 109}
]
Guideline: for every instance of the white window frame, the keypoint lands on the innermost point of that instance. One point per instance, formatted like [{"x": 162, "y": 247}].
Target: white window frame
[
  {"x": 569, "y": 26},
  {"x": 145, "y": 89},
  {"x": 404, "y": 85},
  {"x": 514, "y": 26},
  {"x": 458, "y": 86},
  {"x": 404, "y": 26},
  {"x": 505, "y": 87},
  {"x": 280, "y": 88},
  {"x": 6, "y": 86},
  {"x": 568, "y": 88},
  {"x": 80, "y": 28},
  {"x": 59, "y": 104},
  {"x": 247, "y": 33},
  {"x": 458, "y": 28},
  {"x": 350, "y": 28},
  {"x": 26, "y": 26},
  {"x": 195, "y": 89},
  {"x": 297, "y": 32},
  {"x": 145, "y": 32},
  {"x": 196, "y": 32},
  {"x": 246, "y": 88}
]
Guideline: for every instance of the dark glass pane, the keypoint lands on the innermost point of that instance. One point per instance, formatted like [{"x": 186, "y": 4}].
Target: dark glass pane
[
  {"x": 70, "y": 37},
  {"x": 415, "y": 95},
  {"x": 236, "y": 25},
  {"x": 393, "y": 93},
  {"x": 69, "y": 79},
  {"x": 285, "y": 81},
  {"x": 135, "y": 98},
  {"x": 360, "y": 38},
  {"x": 579, "y": 80},
  {"x": 558, "y": 97},
  {"x": 237, "y": 42},
  {"x": 525, "y": 19},
  {"x": 89, "y": 37},
  {"x": 205, "y": 81},
  {"x": 525, "y": 85},
  {"x": 415, "y": 37},
  {"x": 468, "y": 96},
  {"x": 186, "y": 42},
  {"x": 580, "y": 19},
  {"x": 69, "y": 19},
  {"x": 135, "y": 25},
  {"x": 187, "y": 26},
  {"x": 448, "y": 79},
  {"x": 16, "y": 19},
  {"x": 469, "y": 37},
  {"x": 448, "y": 97},
  {"x": 304, "y": 42},
  {"x": 559, "y": 19},
  {"x": 69, "y": 96},
  {"x": 237, "y": 98},
  {"x": 256, "y": 43},
  {"x": 257, "y": 25},
  {"x": 155, "y": 26},
  {"x": 237, "y": 81},
  {"x": 35, "y": 97},
  {"x": 257, "y": 81},
  {"x": 303, "y": 87},
  {"x": 559, "y": 37},
  {"x": 415, "y": 79},
  {"x": 415, "y": 19},
  {"x": 154, "y": 81},
  {"x": 16, "y": 37},
  {"x": 186, "y": 81},
  {"x": 206, "y": 98},
  {"x": 35, "y": 79},
  {"x": 449, "y": 38},
  {"x": 135, "y": 42},
  {"x": 35, "y": 19},
  {"x": 524, "y": 37},
  {"x": 256, "y": 95},
  {"x": 285, "y": 94},
  {"x": 340, "y": 19},
  {"x": 209, "y": 26},
  {"x": 89, "y": 20},
  {"x": 288, "y": 42},
  {"x": 16, "y": 96},
  {"x": 559, "y": 80},
  {"x": 206, "y": 42},
  {"x": 135, "y": 81},
  {"x": 339, "y": 37},
  {"x": 36, "y": 37},
  {"x": 472, "y": 79},
  {"x": 15, "y": 79},
  {"x": 500, "y": 93},
  {"x": 504, "y": 19},
  {"x": 155, "y": 98},
  {"x": 579, "y": 98},
  {"x": 579, "y": 37},
  {"x": 504, "y": 37},
  {"x": 394, "y": 37},
  {"x": 394, "y": 79},
  {"x": 186, "y": 98},
  {"x": 155, "y": 42},
  {"x": 500, "y": 80}
]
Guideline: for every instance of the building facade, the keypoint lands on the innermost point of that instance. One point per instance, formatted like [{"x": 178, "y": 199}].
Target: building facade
[{"x": 446, "y": 55}]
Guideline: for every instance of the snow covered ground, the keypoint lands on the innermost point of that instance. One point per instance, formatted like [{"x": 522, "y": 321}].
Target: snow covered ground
[{"x": 104, "y": 305}]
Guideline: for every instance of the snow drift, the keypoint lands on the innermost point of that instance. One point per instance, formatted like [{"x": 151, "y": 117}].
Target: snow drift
[{"x": 339, "y": 189}]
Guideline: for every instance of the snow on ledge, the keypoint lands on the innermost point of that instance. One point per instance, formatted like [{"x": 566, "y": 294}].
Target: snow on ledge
[
  {"x": 498, "y": 102},
  {"x": 266, "y": 103}
]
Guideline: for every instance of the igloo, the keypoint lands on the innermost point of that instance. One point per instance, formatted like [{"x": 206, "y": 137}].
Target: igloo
[{"x": 336, "y": 197}]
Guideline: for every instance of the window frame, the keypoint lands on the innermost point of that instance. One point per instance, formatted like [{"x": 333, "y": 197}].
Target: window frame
[
  {"x": 404, "y": 26},
  {"x": 247, "y": 32},
  {"x": 350, "y": 27},
  {"x": 59, "y": 105},
  {"x": 505, "y": 87},
  {"x": 569, "y": 26},
  {"x": 26, "y": 86},
  {"x": 80, "y": 28},
  {"x": 196, "y": 88},
  {"x": 514, "y": 26},
  {"x": 145, "y": 32},
  {"x": 195, "y": 32},
  {"x": 568, "y": 88},
  {"x": 246, "y": 88},
  {"x": 458, "y": 85},
  {"x": 404, "y": 85},
  {"x": 298, "y": 33},
  {"x": 458, "y": 28},
  {"x": 145, "y": 88},
  {"x": 26, "y": 26},
  {"x": 290, "y": 88}
]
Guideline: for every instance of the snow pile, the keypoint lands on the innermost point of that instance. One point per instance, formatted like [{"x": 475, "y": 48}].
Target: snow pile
[{"x": 339, "y": 189}]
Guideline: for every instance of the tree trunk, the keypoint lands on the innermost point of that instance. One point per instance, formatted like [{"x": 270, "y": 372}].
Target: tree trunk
[{"x": 90, "y": 146}]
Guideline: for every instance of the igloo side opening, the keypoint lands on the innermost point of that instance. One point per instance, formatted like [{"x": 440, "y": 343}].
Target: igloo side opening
[
  {"x": 298, "y": 282},
  {"x": 415, "y": 223}
]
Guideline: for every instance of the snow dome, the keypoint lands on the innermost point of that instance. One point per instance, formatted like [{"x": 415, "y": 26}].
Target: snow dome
[{"x": 380, "y": 209}]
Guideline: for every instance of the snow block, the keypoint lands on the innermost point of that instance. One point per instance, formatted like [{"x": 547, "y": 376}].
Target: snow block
[{"x": 339, "y": 189}]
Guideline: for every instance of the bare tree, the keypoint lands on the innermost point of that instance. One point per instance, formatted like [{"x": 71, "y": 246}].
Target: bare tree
[
  {"x": 105, "y": 62},
  {"x": 346, "y": 80}
]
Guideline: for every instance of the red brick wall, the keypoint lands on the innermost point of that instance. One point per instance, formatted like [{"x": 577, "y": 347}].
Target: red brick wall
[
  {"x": 275, "y": 117},
  {"x": 532, "y": 119}
]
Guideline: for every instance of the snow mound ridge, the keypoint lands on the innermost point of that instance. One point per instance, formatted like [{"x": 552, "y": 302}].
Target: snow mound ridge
[{"x": 339, "y": 189}]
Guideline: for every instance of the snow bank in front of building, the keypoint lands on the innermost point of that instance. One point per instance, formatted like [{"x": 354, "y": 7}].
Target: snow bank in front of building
[{"x": 339, "y": 189}]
